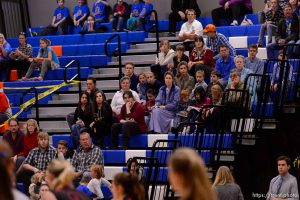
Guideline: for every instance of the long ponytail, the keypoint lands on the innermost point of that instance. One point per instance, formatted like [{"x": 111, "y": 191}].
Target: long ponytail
[{"x": 5, "y": 179}]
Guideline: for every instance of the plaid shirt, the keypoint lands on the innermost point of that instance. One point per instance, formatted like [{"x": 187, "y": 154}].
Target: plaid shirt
[
  {"x": 83, "y": 160},
  {"x": 214, "y": 43},
  {"x": 27, "y": 50},
  {"x": 40, "y": 159}
]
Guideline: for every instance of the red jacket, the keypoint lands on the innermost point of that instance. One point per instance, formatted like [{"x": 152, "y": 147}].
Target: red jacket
[
  {"x": 206, "y": 55},
  {"x": 137, "y": 113},
  {"x": 30, "y": 142},
  {"x": 3, "y": 103}
]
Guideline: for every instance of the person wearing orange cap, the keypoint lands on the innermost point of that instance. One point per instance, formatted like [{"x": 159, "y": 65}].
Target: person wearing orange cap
[
  {"x": 231, "y": 11},
  {"x": 215, "y": 40}
]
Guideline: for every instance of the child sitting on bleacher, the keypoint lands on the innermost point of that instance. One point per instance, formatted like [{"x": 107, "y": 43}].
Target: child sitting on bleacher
[
  {"x": 83, "y": 187},
  {"x": 182, "y": 79},
  {"x": 179, "y": 56},
  {"x": 80, "y": 13},
  {"x": 146, "y": 8},
  {"x": 151, "y": 95},
  {"x": 46, "y": 59},
  {"x": 63, "y": 152},
  {"x": 141, "y": 86},
  {"x": 200, "y": 74},
  {"x": 97, "y": 180},
  {"x": 36, "y": 181},
  {"x": 99, "y": 11},
  {"x": 132, "y": 22},
  {"x": 215, "y": 77},
  {"x": 182, "y": 106}
]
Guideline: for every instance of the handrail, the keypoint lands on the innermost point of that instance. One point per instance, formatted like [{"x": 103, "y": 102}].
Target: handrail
[
  {"x": 117, "y": 51},
  {"x": 154, "y": 26},
  {"x": 36, "y": 102},
  {"x": 78, "y": 76}
]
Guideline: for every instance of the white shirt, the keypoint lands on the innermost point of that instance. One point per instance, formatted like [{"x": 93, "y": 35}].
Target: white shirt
[
  {"x": 117, "y": 102},
  {"x": 95, "y": 186},
  {"x": 189, "y": 27}
]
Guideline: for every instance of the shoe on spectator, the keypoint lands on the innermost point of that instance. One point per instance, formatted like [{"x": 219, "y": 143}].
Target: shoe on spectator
[
  {"x": 171, "y": 34},
  {"x": 40, "y": 78},
  {"x": 259, "y": 45},
  {"x": 24, "y": 78},
  {"x": 32, "y": 33},
  {"x": 122, "y": 147},
  {"x": 234, "y": 23}
]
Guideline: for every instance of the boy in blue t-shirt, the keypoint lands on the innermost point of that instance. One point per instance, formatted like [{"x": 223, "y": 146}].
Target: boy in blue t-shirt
[
  {"x": 132, "y": 22},
  {"x": 146, "y": 8},
  {"x": 99, "y": 11},
  {"x": 61, "y": 18},
  {"x": 80, "y": 13}
]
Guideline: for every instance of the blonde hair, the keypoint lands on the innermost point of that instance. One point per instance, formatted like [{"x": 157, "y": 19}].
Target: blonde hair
[
  {"x": 189, "y": 165},
  {"x": 63, "y": 172},
  {"x": 217, "y": 88},
  {"x": 43, "y": 135},
  {"x": 142, "y": 74},
  {"x": 35, "y": 178},
  {"x": 98, "y": 169},
  {"x": 34, "y": 122},
  {"x": 223, "y": 176},
  {"x": 4, "y": 40}
]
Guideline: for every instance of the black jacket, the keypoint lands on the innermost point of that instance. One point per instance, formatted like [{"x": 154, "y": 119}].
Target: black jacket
[
  {"x": 183, "y": 5},
  {"x": 281, "y": 31}
]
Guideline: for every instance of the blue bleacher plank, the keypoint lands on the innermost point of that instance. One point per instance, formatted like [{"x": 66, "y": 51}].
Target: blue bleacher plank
[
  {"x": 253, "y": 30},
  {"x": 114, "y": 156},
  {"x": 137, "y": 36},
  {"x": 56, "y": 138},
  {"x": 224, "y": 30},
  {"x": 205, "y": 20},
  {"x": 253, "y": 18},
  {"x": 243, "y": 52},
  {"x": 85, "y": 61},
  {"x": 269, "y": 112},
  {"x": 237, "y": 30},
  {"x": 252, "y": 40}
]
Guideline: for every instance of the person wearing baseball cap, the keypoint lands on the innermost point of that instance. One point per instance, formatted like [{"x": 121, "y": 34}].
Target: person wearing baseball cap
[{"x": 215, "y": 40}]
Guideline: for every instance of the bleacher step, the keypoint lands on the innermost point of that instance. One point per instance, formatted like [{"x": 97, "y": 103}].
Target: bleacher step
[
  {"x": 161, "y": 38},
  {"x": 136, "y": 58},
  {"x": 54, "y": 110},
  {"x": 140, "y": 62}
]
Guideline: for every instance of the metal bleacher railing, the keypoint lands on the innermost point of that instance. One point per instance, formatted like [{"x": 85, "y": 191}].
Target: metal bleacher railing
[{"x": 36, "y": 102}]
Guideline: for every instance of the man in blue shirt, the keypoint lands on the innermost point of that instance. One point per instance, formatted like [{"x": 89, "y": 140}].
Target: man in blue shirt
[
  {"x": 60, "y": 21},
  {"x": 224, "y": 64}
]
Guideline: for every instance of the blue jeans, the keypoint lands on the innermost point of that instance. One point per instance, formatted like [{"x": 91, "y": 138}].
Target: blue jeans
[
  {"x": 75, "y": 134},
  {"x": 270, "y": 28}
]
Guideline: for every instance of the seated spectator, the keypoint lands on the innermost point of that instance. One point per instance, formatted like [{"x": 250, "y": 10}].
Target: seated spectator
[
  {"x": 63, "y": 151},
  {"x": 128, "y": 186},
  {"x": 5, "y": 50},
  {"x": 5, "y": 109},
  {"x": 216, "y": 94},
  {"x": 216, "y": 40},
  {"x": 200, "y": 82},
  {"x": 117, "y": 102},
  {"x": 164, "y": 61},
  {"x": 215, "y": 78},
  {"x": 61, "y": 19},
  {"x": 80, "y": 13},
  {"x": 231, "y": 11},
  {"x": 36, "y": 182},
  {"x": 14, "y": 136},
  {"x": 43, "y": 189},
  {"x": 30, "y": 141},
  {"x": 239, "y": 62},
  {"x": 189, "y": 30},
  {"x": 97, "y": 181},
  {"x": 152, "y": 83},
  {"x": 183, "y": 80},
  {"x": 179, "y": 56},
  {"x": 45, "y": 59},
  {"x": 256, "y": 65},
  {"x": 133, "y": 21},
  {"x": 179, "y": 13},
  {"x": 141, "y": 86},
  {"x": 225, "y": 186},
  {"x": 102, "y": 116},
  {"x": 134, "y": 79},
  {"x": 60, "y": 175},
  {"x": 201, "y": 58},
  {"x": 294, "y": 4},
  {"x": 85, "y": 156},
  {"x": 38, "y": 159},
  {"x": 287, "y": 32},
  {"x": 121, "y": 13},
  {"x": 147, "y": 7},
  {"x": 181, "y": 108},
  {"x": 99, "y": 11},
  {"x": 19, "y": 59},
  {"x": 262, "y": 14},
  {"x": 165, "y": 106},
  {"x": 276, "y": 71},
  {"x": 151, "y": 95},
  {"x": 273, "y": 16},
  {"x": 82, "y": 118},
  {"x": 83, "y": 187},
  {"x": 90, "y": 26},
  {"x": 131, "y": 121},
  {"x": 134, "y": 169},
  {"x": 91, "y": 84},
  {"x": 224, "y": 64}
]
